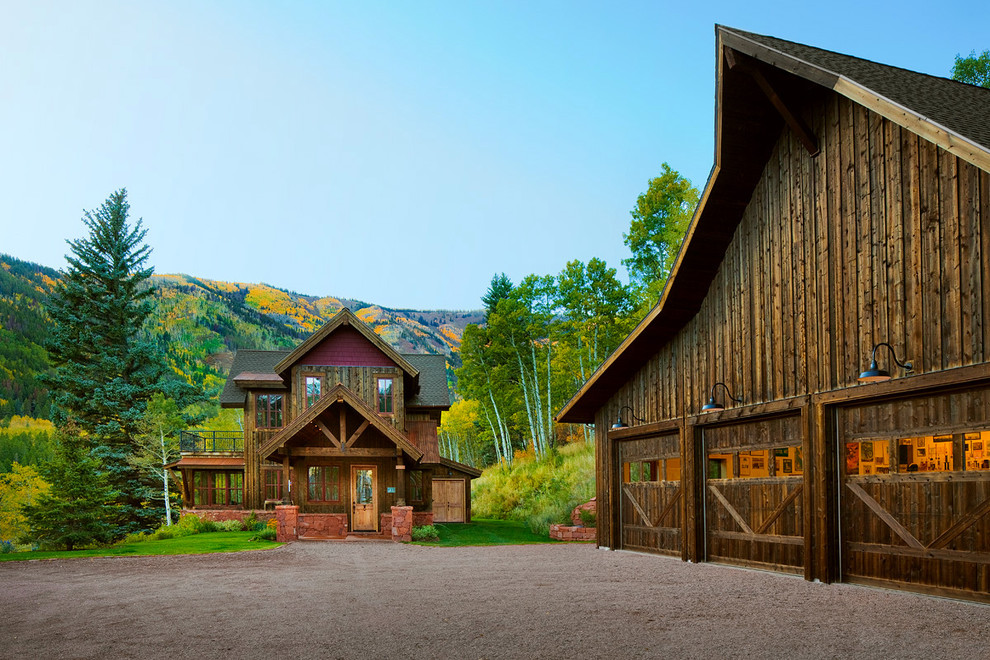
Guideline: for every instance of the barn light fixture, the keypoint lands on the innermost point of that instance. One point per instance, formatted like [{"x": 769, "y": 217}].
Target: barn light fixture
[
  {"x": 717, "y": 405},
  {"x": 876, "y": 375},
  {"x": 619, "y": 424}
]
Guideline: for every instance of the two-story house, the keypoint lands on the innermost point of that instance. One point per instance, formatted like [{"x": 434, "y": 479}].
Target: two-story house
[{"x": 343, "y": 427}]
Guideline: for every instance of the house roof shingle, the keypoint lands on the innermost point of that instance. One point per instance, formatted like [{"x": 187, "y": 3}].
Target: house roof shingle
[
  {"x": 247, "y": 361},
  {"x": 433, "y": 390}
]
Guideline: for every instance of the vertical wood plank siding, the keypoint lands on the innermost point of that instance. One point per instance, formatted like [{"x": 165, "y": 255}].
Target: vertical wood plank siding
[{"x": 883, "y": 237}]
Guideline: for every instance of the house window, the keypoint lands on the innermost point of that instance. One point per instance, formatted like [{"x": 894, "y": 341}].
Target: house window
[
  {"x": 272, "y": 476},
  {"x": 218, "y": 488},
  {"x": 385, "y": 405},
  {"x": 415, "y": 485},
  {"x": 324, "y": 483},
  {"x": 641, "y": 471},
  {"x": 314, "y": 387},
  {"x": 268, "y": 409}
]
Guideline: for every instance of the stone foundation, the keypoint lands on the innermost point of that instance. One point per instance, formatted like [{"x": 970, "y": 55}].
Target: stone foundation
[
  {"x": 402, "y": 523},
  {"x": 219, "y": 515},
  {"x": 323, "y": 525}
]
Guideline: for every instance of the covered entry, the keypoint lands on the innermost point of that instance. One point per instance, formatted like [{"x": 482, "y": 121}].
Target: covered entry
[
  {"x": 650, "y": 516},
  {"x": 914, "y": 501},
  {"x": 754, "y": 493}
]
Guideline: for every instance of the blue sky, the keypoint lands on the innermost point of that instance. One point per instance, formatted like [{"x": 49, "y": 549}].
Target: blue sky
[{"x": 397, "y": 153}]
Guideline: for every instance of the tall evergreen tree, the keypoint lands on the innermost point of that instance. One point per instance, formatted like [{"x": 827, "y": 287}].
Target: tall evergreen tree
[
  {"x": 104, "y": 373},
  {"x": 77, "y": 510}
]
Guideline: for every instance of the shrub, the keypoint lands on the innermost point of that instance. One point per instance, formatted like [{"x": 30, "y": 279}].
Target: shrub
[
  {"x": 6, "y": 547},
  {"x": 251, "y": 522},
  {"x": 425, "y": 533},
  {"x": 190, "y": 522},
  {"x": 272, "y": 524},
  {"x": 229, "y": 526},
  {"x": 587, "y": 517},
  {"x": 264, "y": 534}
]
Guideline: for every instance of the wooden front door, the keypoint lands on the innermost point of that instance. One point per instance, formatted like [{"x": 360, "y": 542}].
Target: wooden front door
[
  {"x": 448, "y": 500},
  {"x": 650, "y": 510},
  {"x": 364, "y": 499}
]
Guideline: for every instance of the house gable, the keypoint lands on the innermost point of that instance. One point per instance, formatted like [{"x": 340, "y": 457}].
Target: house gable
[{"x": 356, "y": 342}]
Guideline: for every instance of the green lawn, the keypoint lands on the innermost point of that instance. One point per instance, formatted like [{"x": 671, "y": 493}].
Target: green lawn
[
  {"x": 486, "y": 532},
  {"x": 194, "y": 544}
]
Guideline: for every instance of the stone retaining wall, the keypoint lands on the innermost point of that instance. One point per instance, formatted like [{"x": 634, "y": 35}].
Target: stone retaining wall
[
  {"x": 323, "y": 525},
  {"x": 572, "y": 533}
]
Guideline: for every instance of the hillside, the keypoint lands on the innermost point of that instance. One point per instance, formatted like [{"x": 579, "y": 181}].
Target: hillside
[{"x": 199, "y": 324}]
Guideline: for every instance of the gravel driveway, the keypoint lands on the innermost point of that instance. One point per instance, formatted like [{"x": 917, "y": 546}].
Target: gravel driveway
[{"x": 385, "y": 600}]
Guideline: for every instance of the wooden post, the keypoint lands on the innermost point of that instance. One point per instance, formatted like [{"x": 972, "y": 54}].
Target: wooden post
[
  {"x": 286, "y": 474},
  {"x": 400, "y": 480}
]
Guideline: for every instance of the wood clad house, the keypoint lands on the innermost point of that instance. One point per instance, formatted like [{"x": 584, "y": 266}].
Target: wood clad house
[
  {"x": 343, "y": 427},
  {"x": 847, "y": 217}
]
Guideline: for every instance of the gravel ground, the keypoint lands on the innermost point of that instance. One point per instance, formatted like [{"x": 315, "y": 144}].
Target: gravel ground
[{"x": 385, "y": 600}]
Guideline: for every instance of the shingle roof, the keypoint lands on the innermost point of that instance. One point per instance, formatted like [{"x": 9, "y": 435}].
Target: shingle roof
[
  {"x": 257, "y": 362},
  {"x": 433, "y": 390},
  {"x": 959, "y": 107}
]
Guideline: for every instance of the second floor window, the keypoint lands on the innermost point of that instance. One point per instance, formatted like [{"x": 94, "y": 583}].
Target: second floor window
[
  {"x": 314, "y": 386},
  {"x": 268, "y": 409},
  {"x": 385, "y": 404}
]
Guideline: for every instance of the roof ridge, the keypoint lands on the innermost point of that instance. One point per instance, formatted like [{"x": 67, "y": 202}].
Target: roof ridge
[{"x": 746, "y": 33}]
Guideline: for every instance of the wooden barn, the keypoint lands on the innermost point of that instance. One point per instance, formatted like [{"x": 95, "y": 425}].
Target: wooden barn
[
  {"x": 811, "y": 394},
  {"x": 340, "y": 431}
]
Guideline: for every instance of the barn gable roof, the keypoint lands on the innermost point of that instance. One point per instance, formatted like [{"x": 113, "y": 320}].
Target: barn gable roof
[{"x": 948, "y": 113}]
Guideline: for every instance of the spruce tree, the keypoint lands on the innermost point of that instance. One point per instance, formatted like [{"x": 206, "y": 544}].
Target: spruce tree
[
  {"x": 77, "y": 509},
  {"x": 104, "y": 372}
]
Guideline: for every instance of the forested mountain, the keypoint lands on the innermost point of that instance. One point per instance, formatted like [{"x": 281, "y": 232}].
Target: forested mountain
[{"x": 199, "y": 324}]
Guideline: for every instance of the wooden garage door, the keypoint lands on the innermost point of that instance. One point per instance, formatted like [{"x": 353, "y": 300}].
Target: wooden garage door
[
  {"x": 914, "y": 502},
  {"x": 754, "y": 494},
  {"x": 448, "y": 500},
  {"x": 651, "y": 506}
]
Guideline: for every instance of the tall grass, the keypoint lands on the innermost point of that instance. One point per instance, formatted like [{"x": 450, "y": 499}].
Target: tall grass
[{"x": 539, "y": 493}]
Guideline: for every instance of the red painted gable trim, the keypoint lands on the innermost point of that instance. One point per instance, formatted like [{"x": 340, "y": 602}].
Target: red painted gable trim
[{"x": 346, "y": 347}]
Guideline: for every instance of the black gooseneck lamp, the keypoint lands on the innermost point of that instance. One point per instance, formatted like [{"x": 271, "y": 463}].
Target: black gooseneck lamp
[
  {"x": 877, "y": 375},
  {"x": 717, "y": 405},
  {"x": 619, "y": 424}
]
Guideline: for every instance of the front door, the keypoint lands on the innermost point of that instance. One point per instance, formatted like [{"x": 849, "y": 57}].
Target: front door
[{"x": 364, "y": 500}]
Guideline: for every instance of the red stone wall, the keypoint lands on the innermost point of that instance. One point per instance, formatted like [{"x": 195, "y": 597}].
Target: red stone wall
[
  {"x": 402, "y": 523},
  {"x": 591, "y": 506},
  {"x": 323, "y": 525},
  {"x": 571, "y": 533},
  {"x": 287, "y": 516},
  {"x": 420, "y": 518}
]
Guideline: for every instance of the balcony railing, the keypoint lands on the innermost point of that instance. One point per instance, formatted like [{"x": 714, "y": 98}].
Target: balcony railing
[{"x": 203, "y": 441}]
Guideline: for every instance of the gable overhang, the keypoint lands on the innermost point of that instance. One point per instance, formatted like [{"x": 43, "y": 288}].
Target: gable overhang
[
  {"x": 923, "y": 126},
  {"x": 339, "y": 394},
  {"x": 747, "y": 125},
  {"x": 345, "y": 317}
]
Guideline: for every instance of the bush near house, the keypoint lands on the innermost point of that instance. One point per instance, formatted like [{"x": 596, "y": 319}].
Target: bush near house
[{"x": 537, "y": 492}]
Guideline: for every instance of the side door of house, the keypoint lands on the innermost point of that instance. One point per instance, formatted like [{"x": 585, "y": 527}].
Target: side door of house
[
  {"x": 364, "y": 499},
  {"x": 448, "y": 500}
]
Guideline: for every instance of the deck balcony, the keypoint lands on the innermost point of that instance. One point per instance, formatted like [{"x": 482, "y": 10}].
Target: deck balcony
[{"x": 201, "y": 441}]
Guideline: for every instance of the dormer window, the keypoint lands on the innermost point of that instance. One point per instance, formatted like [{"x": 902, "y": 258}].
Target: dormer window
[
  {"x": 314, "y": 388},
  {"x": 385, "y": 403}
]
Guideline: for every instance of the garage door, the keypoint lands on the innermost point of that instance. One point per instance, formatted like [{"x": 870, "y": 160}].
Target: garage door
[
  {"x": 448, "y": 500},
  {"x": 650, "y": 512},
  {"x": 914, "y": 502},
  {"x": 755, "y": 494}
]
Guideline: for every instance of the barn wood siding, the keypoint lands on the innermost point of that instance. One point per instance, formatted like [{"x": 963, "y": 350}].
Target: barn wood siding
[{"x": 883, "y": 237}]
